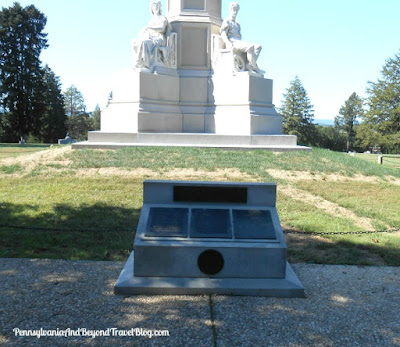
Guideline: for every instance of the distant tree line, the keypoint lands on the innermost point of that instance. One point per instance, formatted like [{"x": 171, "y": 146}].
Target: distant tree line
[
  {"x": 361, "y": 125},
  {"x": 32, "y": 104}
]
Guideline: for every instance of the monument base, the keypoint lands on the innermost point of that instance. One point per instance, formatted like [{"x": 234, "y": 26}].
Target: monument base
[
  {"x": 191, "y": 108},
  {"x": 110, "y": 140},
  {"x": 128, "y": 284}
]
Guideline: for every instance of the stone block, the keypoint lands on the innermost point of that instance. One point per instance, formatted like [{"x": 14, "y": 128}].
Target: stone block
[{"x": 209, "y": 238}]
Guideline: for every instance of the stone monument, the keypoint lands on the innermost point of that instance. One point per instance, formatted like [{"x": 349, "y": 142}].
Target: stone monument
[
  {"x": 67, "y": 140},
  {"x": 209, "y": 238},
  {"x": 194, "y": 82},
  {"x": 23, "y": 140}
]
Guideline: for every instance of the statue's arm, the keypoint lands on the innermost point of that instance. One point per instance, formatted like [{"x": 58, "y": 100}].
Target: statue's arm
[
  {"x": 168, "y": 30},
  {"x": 224, "y": 34},
  {"x": 159, "y": 26}
]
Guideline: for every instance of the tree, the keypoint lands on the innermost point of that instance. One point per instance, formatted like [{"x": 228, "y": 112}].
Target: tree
[
  {"x": 74, "y": 102},
  {"x": 2, "y": 130},
  {"x": 347, "y": 119},
  {"x": 383, "y": 115},
  {"x": 367, "y": 137},
  {"x": 79, "y": 121},
  {"x": 21, "y": 76},
  {"x": 96, "y": 118},
  {"x": 54, "y": 118},
  {"x": 297, "y": 113},
  {"x": 330, "y": 137},
  {"x": 78, "y": 126}
]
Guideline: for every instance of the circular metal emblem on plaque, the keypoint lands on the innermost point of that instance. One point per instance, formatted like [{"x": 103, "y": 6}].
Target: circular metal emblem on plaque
[{"x": 210, "y": 262}]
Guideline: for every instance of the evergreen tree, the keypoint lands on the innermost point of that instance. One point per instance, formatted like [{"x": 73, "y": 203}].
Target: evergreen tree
[
  {"x": 74, "y": 102},
  {"x": 298, "y": 113},
  {"x": 383, "y": 115},
  {"x": 96, "y": 118},
  {"x": 54, "y": 119},
  {"x": 347, "y": 119},
  {"x": 79, "y": 122},
  {"x": 21, "y": 76}
]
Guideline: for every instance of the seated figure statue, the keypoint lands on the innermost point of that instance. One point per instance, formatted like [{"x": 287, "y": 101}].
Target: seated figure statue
[
  {"x": 153, "y": 47},
  {"x": 231, "y": 35}
]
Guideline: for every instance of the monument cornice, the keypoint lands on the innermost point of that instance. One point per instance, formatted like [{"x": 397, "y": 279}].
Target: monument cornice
[{"x": 194, "y": 18}]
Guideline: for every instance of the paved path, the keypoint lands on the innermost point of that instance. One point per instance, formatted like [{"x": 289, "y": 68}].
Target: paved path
[{"x": 345, "y": 306}]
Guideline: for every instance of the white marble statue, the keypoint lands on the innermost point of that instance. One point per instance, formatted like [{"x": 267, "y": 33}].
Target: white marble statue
[
  {"x": 156, "y": 42},
  {"x": 231, "y": 34}
]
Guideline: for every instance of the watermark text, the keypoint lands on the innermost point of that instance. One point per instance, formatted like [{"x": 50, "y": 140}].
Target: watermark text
[{"x": 90, "y": 333}]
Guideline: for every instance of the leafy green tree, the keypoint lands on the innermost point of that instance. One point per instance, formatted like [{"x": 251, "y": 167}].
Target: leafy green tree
[
  {"x": 330, "y": 137},
  {"x": 79, "y": 125},
  {"x": 367, "y": 137},
  {"x": 383, "y": 115},
  {"x": 21, "y": 76},
  {"x": 54, "y": 119},
  {"x": 347, "y": 119},
  {"x": 298, "y": 113},
  {"x": 2, "y": 130}
]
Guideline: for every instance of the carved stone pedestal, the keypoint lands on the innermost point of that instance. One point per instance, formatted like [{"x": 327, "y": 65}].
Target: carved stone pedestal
[{"x": 198, "y": 94}]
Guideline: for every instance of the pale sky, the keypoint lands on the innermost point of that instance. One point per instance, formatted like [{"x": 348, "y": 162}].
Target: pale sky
[{"x": 334, "y": 46}]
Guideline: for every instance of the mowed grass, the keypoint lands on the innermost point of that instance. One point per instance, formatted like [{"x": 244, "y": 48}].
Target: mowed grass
[
  {"x": 94, "y": 217},
  {"x": 390, "y": 161},
  {"x": 13, "y": 150},
  {"x": 379, "y": 201},
  {"x": 254, "y": 162},
  {"x": 91, "y": 218}
]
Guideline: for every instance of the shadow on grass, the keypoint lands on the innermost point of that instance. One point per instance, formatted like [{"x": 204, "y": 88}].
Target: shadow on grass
[
  {"x": 95, "y": 232},
  {"x": 307, "y": 248},
  {"x": 105, "y": 232}
]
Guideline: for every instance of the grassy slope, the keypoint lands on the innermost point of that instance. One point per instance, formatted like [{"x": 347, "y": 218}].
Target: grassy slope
[
  {"x": 102, "y": 210},
  {"x": 8, "y": 150},
  {"x": 392, "y": 161}
]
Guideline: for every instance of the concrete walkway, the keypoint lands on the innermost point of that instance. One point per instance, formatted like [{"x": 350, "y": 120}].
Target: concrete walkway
[{"x": 345, "y": 306}]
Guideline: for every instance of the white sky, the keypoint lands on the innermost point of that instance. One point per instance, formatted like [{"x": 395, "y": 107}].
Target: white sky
[{"x": 334, "y": 46}]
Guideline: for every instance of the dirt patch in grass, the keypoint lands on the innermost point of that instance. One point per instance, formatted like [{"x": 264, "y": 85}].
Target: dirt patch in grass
[
  {"x": 174, "y": 174},
  {"x": 306, "y": 175},
  {"x": 52, "y": 162},
  {"x": 327, "y": 206},
  {"x": 393, "y": 180},
  {"x": 30, "y": 161}
]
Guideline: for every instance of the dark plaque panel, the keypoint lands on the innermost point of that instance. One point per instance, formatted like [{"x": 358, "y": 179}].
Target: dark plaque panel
[
  {"x": 253, "y": 224},
  {"x": 213, "y": 223},
  {"x": 201, "y": 194},
  {"x": 164, "y": 222}
]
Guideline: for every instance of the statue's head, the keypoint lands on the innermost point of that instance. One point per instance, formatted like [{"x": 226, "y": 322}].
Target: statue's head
[
  {"x": 234, "y": 9},
  {"x": 155, "y": 6}
]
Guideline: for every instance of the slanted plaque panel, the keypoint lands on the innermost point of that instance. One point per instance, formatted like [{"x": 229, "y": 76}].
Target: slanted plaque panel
[
  {"x": 194, "y": 47},
  {"x": 202, "y": 194},
  {"x": 253, "y": 224},
  {"x": 197, "y": 5},
  {"x": 210, "y": 223},
  {"x": 164, "y": 222}
]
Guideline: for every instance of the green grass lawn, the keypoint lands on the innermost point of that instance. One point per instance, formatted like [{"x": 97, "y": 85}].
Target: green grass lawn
[
  {"x": 93, "y": 215},
  {"x": 8, "y": 150},
  {"x": 390, "y": 161}
]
